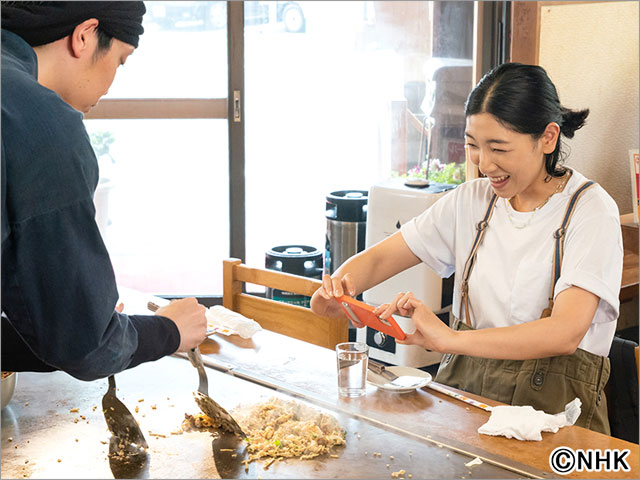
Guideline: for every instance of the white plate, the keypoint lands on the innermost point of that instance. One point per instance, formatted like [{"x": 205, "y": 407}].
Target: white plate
[{"x": 384, "y": 384}]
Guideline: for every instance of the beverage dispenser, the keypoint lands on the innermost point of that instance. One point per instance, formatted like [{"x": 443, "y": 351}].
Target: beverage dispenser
[
  {"x": 391, "y": 204},
  {"x": 346, "y": 214}
]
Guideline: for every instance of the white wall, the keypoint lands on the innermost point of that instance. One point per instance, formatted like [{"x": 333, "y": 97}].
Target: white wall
[{"x": 590, "y": 51}]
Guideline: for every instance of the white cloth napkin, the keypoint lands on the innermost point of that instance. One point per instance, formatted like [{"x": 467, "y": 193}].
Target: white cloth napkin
[
  {"x": 223, "y": 317},
  {"x": 525, "y": 423}
]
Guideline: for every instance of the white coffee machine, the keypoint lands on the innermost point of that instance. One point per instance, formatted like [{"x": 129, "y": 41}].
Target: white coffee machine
[{"x": 391, "y": 204}]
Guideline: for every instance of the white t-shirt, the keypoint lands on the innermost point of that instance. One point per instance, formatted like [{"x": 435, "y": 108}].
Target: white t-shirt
[{"x": 512, "y": 276}]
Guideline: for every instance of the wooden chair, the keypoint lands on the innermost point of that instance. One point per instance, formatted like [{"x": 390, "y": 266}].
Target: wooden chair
[{"x": 286, "y": 319}]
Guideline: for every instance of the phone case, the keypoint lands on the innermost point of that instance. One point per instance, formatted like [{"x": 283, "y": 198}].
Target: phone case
[{"x": 364, "y": 313}]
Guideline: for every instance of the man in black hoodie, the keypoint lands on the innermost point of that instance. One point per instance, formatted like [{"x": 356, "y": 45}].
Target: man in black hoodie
[{"x": 58, "y": 286}]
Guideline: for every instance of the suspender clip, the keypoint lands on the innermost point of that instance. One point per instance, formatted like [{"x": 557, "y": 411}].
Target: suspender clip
[{"x": 559, "y": 233}]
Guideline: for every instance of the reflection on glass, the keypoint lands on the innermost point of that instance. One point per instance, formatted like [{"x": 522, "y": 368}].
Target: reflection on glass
[
  {"x": 163, "y": 202},
  {"x": 345, "y": 103},
  {"x": 182, "y": 53}
]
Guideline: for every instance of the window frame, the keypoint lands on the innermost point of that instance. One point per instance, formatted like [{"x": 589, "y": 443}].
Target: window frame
[
  {"x": 205, "y": 108},
  {"x": 492, "y": 25}
]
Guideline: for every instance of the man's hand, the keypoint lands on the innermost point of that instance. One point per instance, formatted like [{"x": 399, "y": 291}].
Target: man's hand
[{"x": 189, "y": 317}]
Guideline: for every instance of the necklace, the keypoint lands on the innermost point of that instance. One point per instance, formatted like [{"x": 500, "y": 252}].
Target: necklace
[{"x": 559, "y": 188}]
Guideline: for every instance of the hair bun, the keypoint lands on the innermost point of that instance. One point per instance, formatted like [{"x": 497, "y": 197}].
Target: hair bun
[{"x": 572, "y": 120}]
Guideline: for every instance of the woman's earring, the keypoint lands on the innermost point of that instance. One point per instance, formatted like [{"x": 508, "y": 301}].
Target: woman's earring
[{"x": 547, "y": 179}]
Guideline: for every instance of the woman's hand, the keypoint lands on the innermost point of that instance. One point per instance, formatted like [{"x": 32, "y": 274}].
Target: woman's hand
[
  {"x": 430, "y": 332},
  {"x": 323, "y": 300}
]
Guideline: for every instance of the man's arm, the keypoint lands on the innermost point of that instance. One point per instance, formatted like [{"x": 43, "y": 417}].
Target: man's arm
[{"x": 59, "y": 293}]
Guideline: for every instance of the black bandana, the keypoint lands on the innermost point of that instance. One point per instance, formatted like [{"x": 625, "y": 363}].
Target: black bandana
[{"x": 39, "y": 23}]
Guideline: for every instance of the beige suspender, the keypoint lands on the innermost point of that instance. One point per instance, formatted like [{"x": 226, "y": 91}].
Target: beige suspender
[
  {"x": 559, "y": 243},
  {"x": 481, "y": 227},
  {"x": 557, "y": 256}
]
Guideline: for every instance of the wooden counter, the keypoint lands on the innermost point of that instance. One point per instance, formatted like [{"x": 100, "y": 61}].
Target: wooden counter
[
  {"x": 43, "y": 438},
  {"x": 428, "y": 434},
  {"x": 425, "y": 413}
]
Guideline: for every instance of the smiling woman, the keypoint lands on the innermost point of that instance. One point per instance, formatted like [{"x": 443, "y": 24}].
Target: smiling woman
[
  {"x": 509, "y": 128},
  {"x": 509, "y": 160},
  {"x": 512, "y": 322}
]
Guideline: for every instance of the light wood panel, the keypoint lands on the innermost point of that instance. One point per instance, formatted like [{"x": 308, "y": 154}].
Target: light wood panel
[
  {"x": 159, "y": 108},
  {"x": 478, "y": 19},
  {"x": 525, "y": 29},
  {"x": 290, "y": 320},
  {"x": 629, "y": 285},
  {"x": 280, "y": 280},
  {"x": 525, "y": 38}
]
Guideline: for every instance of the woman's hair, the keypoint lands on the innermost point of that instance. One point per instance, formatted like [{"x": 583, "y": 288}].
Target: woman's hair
[{"x": 524, "y": 99}]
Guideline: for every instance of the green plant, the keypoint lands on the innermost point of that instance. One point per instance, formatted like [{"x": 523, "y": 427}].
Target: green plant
[
  {"x": 453, "y": 173},
  {"x": 101, "y": 143}
]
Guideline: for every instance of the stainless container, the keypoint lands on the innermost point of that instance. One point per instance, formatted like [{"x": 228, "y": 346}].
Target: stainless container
[
  {"x": 8, "y": 386},
  {"x": 346, "y": 214}
]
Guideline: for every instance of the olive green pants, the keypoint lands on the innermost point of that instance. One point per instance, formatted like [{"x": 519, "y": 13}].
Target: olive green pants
[{"x": 546, "y": 384}]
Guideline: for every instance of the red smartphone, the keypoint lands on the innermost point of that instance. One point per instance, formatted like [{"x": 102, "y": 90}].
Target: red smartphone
[{"x": 360, "y": 311}]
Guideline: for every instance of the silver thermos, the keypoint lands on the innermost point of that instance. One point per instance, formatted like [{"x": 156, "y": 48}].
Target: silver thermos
[{"x": 346, "y": 226}]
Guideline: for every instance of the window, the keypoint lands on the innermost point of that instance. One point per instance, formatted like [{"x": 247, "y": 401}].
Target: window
[
  {"x": 341, "y": 103},
  {"x": 336, "y": 95},
  {"x": 165, "y": 212},
  {"x": 162, "y": 139}
]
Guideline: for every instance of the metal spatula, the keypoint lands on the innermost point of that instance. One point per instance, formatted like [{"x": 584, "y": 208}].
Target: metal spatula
[
  {"x": 207, "y": 404},
  {"x": 229, "y": 454},
  {"x": 120, "y": 421}
]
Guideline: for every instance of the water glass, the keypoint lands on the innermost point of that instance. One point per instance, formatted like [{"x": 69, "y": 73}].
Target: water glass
[{"x": 352, "y": 358}]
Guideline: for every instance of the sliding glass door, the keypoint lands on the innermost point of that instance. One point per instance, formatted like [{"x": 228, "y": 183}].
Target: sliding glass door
[
  {"x": 161, "y": 135},
  {"x": 360, "y": 92},
  {"x": 232, "y": 121}
]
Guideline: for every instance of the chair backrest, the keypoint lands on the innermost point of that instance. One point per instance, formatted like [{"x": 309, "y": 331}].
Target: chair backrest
[
  {"x": 286, "y": 319},
  {"x": 622, "y": 389}
]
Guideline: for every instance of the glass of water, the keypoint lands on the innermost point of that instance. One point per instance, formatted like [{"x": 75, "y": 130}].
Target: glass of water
[{"x": 352, "y": 358}]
